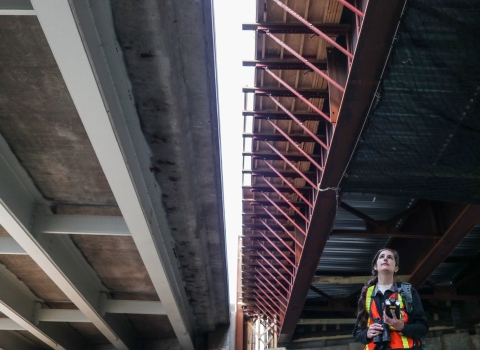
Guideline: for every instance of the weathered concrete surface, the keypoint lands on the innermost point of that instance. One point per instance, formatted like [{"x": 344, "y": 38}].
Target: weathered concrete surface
[
  {"x": 475, "y": 341},
  {"x": 168, "y": 50},
  {"x": 39, "y": 121}
]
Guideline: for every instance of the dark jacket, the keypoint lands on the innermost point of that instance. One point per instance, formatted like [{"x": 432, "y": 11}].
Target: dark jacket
[{"x": 416, "y": 327}]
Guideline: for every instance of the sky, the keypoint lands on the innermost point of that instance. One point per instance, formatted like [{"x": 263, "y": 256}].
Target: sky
[{"x": 233, "y": 46}]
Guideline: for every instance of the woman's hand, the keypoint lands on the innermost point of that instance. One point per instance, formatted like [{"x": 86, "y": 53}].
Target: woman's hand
[
  {"x": 374, "y": 330},
  {"x": 396, "y": 323}
]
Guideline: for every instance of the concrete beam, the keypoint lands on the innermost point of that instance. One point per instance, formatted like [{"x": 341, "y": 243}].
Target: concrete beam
[
  {"x": 82, "y": 38},
  {"x": 18, "y": 304}
]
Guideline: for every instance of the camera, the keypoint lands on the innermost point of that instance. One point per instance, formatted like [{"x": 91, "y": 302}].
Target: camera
[
  {"x": 385, "y": 336},
  {"x": 392, "y": 307}
]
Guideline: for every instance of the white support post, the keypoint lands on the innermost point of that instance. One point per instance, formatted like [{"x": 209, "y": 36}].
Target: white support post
[
  {"x": 82, "y": 38},
  {"x": 7, "y": 324}
]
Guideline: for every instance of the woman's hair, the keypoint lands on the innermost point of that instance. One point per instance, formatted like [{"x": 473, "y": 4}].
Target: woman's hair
[{"x": 362, "y": 315}]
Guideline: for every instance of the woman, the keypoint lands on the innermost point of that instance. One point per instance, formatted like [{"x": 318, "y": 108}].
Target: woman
[{"x": 380, "y": 297}]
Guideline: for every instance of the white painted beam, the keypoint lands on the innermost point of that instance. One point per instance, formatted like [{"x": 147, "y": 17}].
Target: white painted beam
[
  {"x": 16, "y": 8},
  {"x": 111, "y": 306},
  {"x": 17, "y": 12},
  {"x": 18, "y": 304},
  {"x": 92, "y": 66},
  {"x": 49, "y": 315},
  {"x": 56, "y": 255},
  {"x": 7, "y": 324},
  {"x": 8, "y": 246},
  {"x": 133, "y": 307},
  {"x": 85, "y": 225}
]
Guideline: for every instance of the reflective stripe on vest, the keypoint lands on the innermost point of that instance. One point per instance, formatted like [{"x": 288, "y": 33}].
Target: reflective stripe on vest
[{"x": 398, "y": 341}]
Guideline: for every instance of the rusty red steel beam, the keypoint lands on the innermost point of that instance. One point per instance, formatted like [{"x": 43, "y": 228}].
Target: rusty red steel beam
[
  {"x": 290, "y": 185},
  {"x": 275, "y": 258},
  {"x": 275, "y": 156},
  {"x": 285, "y": 214},
  {"x": 286, "y": 200},
  {"x": 275, "y": 295},
  {"x": 276, "y": 279},
  {"x": 267, "y": 304},
  {"x": 284, "y": 64},
  {"x": 266, "y": 311},
  {"x": 313, "y": 28},
  {"x": 304, "y": 60},
  {"x": 280, "y": 203},
  {"x": 455, "y": 233},
  {"x": 271, "y": 285},
  {"x": 279, "y": 238},
  {"x": 300, "y": 149},
  {"x": 267, "y": 295},
  {"x": 282, "y": 116},
  {"x": 278, "y": 222},
  {"x": 351, "y": 7},
  {"x": 286, "y": 189},
  {"x": 299, "y": 95},
  {"x": 260, "y": 227},
  {"x": 281, "y": 92},
  {"x": 284, "y": 174},
  {"x": 307, "y": 130},
  {"x": 290, "y": 164},
  {"x": 374, "y": 43},
  {"x": 276, "y": 137},
  {"x": 333, "y": 29},
  {"x": 273, "y": 268}
]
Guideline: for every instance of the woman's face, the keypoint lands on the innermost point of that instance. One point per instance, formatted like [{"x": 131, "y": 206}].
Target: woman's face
[{"x": 386, "y": 262}]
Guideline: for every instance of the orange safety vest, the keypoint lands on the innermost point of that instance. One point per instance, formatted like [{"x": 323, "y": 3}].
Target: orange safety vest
[{"x": 398, "y": 341}]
